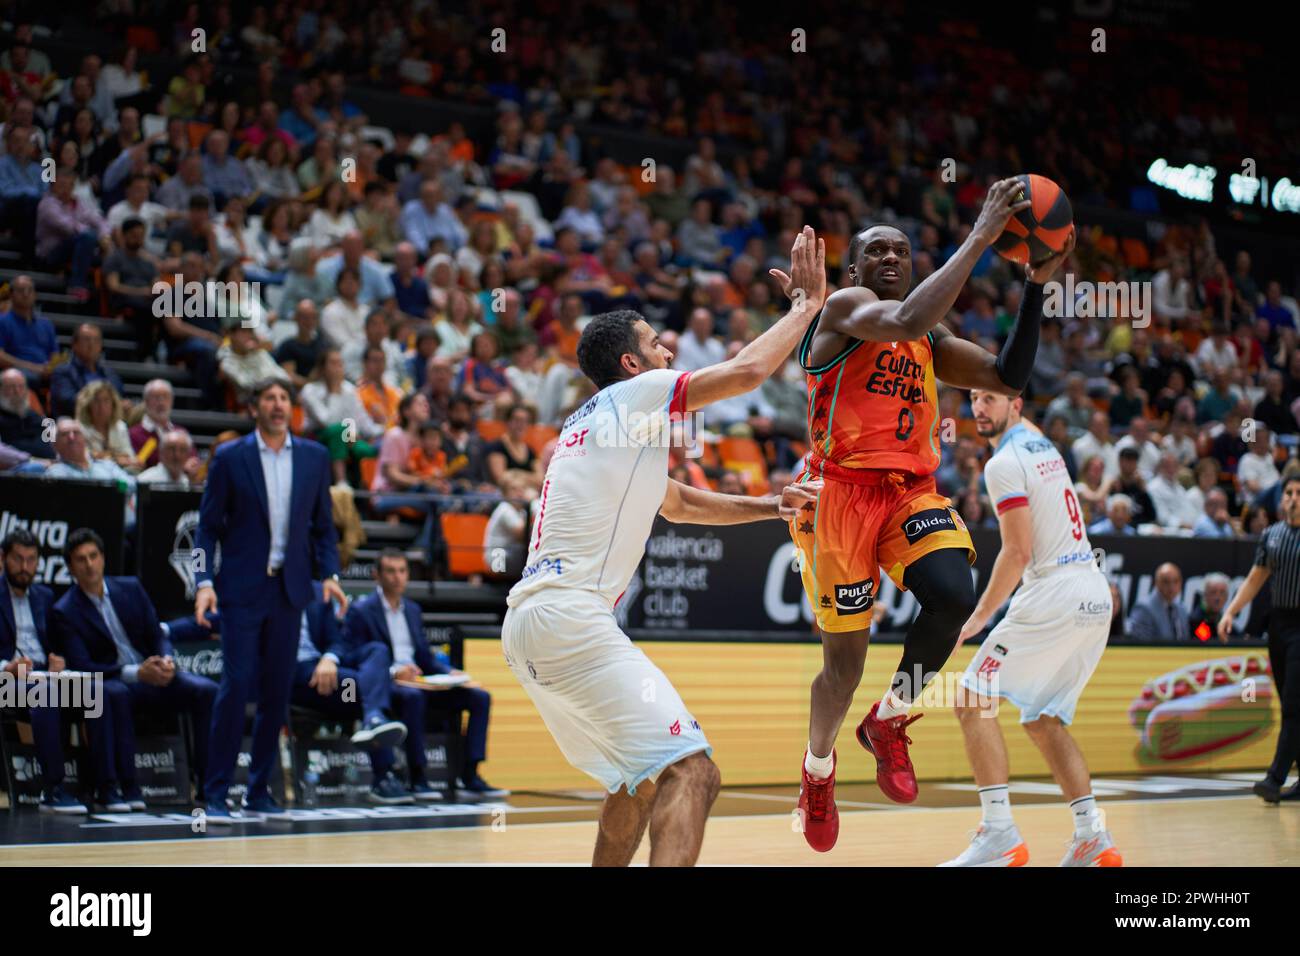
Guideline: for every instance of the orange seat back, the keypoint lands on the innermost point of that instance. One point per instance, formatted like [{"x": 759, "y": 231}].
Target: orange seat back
[
  {"x": 369, "y": 468},
  {"x": 744, "y": 456},
  {"x": 538, "y": 435},
  {"x": 464, "y": 535},
  {"x": 489, "y": 429}
]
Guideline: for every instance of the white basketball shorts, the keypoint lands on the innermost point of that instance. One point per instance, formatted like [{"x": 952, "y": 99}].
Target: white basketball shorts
[
  {"x": 1041, "y": 655},
  {"x": 613, "y": 713}
]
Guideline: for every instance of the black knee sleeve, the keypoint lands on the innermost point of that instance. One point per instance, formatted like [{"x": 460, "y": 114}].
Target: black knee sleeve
[{"x": 941, "y": 582}]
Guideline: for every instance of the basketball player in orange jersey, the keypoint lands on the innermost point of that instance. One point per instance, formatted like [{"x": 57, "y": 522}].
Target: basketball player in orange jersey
[{"x": 873, "y": 358}]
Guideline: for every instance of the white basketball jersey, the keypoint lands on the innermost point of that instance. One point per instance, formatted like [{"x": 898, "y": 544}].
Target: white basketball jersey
[
  {"x": 1026, "y": 471},
  {"x": 604, "y": 487}
]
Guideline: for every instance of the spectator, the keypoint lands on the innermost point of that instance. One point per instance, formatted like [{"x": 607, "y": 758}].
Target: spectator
[
  {"x": 178, "y": 191},
  {"x": 1117, "y": 615},
  {"x": 146, "y": 434},
  {"x": 1180, "y": 441},
  {"x": 69, "y": 233},
  {"x": 335, "y": 416},
  {"x": 331, "y": 220},
  {"x": 483, "y": 377},
  {"x": 1214, "y": 522},
  {"x": 377, "y": 220},
  {"x": 1272, "y": 409},
  {"x": 1161, "y": 616},
  {"x": 1206, "y": 478},
  {"x": 466, "y": 450},
  {"x": 27, "y": 338},
  {"x": 1131, "y": 484},
  {"x": 376, "y": 336},
  {"x": 378, "y": 397},
  {"x": 21, "y": 426},
  {"x": 511, "y": 452},
  {"x": 1131, "y": 402},
  {"x": 270, "y": 171},
  {"x": 303, "y": 279},
  {"x": 21, "y": 184},
  {"x": 1097, "y": 442},
  {"x": 1173, "y": 503},
  {"x": 344, "y": 318},
  {"x": 698, "y": 348},
  {"x": 1256, "y": 471},
  {"x": 505, "y": 545},
  {"x": 1119, "y": 515},
  {"x": 73, "y": 460},
  {"x": 1139, "y": 439},
  {"x": 1203, "y": 621},
  {"x": 698, "y": 239},
  {"x": 99, "y": 410},
  {"x": 194, "y": 233},
  {"x": 376, "y": 286},
  {"x": 242, "y": 363},
  {"x": 392, "y": 619},
  {"x": 223, "y": 174},
  {"x": 429, "y": 220},
  {"x": 85, "y": 365},
  {"x": 457, "y": 328},
  {"x": 409, "y": 288},
  {"x": 129, "y": 276},
  {"x": 174, "y": 461}
]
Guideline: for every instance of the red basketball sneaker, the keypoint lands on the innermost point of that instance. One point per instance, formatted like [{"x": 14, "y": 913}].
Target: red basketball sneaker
[
  {"x": 817, "y": 810},
  {"x": 888, "y": 740}
]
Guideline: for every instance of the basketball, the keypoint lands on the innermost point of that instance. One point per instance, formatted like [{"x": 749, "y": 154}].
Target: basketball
[{"x": 1040, "y": 231}]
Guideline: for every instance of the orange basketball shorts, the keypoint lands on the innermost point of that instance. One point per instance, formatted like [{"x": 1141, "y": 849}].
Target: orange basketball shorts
[{"x": 865, "y": 520}]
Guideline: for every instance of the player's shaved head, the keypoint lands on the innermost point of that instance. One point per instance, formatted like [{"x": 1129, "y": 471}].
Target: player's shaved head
[{"x": 880, "y": 259}]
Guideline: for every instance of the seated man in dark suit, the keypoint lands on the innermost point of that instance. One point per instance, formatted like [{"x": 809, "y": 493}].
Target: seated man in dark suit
[
  {"x": 24, "y": 647},
  {"x": 109, "y": 626},
  {"x": 392, "y": 619},
  {"x": 340, "y": 681}
]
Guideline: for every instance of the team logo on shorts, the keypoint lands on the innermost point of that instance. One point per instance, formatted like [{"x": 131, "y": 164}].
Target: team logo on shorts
[
  {"x": 989, "y": 665},
  {"x": 928, "y": 522},
  {"x": 854, "y": 598},
  {"x": 685, "y": 721},
  {"x": 1000, "y": 649}
]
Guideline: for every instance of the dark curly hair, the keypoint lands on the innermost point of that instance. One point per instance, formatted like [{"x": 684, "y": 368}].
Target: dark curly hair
[{"x": 606, "y": 339}]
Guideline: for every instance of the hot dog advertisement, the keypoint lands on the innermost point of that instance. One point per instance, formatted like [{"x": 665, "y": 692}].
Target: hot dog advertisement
[{"x": 1203, "y": 708}]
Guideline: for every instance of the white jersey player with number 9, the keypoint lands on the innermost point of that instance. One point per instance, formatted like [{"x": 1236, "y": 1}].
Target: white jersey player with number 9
[
  {"x": 1042, "y": 653},
  {"x": 613, "y": 713}
]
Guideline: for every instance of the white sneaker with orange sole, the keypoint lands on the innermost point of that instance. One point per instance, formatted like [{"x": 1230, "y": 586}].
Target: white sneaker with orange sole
[
  {"x": 1093, "y": 851},
  {"x": 993, "y": 847}
]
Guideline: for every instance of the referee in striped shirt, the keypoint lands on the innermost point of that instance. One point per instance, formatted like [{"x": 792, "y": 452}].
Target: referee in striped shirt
[{"x": 1278, "y": 558}]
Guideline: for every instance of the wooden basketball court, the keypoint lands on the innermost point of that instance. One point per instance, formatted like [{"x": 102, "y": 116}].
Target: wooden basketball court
[{"x": 1203, "y": 822}]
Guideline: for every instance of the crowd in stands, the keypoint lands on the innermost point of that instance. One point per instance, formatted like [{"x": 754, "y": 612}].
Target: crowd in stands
[{"x": 423, "y": 290}]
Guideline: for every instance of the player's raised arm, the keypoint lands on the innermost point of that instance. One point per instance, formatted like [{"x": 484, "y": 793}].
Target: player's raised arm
[
  {"x": 858, "y": 312},
  {"x": 966, "y": 365},
  {"x": 686, "y": 505},
  {"x": 805, "y": 286}
]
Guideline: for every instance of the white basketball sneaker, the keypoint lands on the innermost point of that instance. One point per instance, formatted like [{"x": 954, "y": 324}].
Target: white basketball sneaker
[
  {"x": 988, "y": 847},
  {"x": 1093, "y": 851}
]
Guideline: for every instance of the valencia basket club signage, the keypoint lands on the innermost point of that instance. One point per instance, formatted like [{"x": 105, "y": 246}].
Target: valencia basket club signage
[
  {"x": 741, "y": 582},
  {"x": 168, "y": 519},
  {"x": 51, "y": 509}
]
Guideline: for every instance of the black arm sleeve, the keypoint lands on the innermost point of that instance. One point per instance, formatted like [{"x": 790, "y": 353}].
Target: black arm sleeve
[{"x": 1016, "y": 360}]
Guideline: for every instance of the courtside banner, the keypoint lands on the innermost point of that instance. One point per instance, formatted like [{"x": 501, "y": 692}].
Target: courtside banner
[
  {"x": 166, "y": 525},
  {"x": 51, "y": 509},
  {"x": 741, "y": 581}
]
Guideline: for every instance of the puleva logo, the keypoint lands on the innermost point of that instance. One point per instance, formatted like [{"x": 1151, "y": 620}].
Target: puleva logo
[{"x": 854, "y": 598}]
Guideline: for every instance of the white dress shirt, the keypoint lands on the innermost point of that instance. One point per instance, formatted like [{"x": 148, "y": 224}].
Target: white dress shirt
[
  {"x": 127, "y": 655},
  {"x": 398, "y": 632},
  {"x": 277, "y": 470}
]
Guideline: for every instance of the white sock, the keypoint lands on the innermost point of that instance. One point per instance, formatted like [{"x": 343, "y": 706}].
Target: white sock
[
  {"x": 819, "y": 768},
  {"x": 891, "y": 706},
  {"x": 1087, "y": 817},
  {"x": 996, "y": 804}
]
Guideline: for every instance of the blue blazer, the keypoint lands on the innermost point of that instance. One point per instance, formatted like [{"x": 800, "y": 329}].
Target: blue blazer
[
  {"x": 234, "y": 514},
  {"x": 366, "y": 622},
  {"x": 40, "y": 598},
  {"x": 78, "y": 631},
  {"x": 325, "y": 629}
]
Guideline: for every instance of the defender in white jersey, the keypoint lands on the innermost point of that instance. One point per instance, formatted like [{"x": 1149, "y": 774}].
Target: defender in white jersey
[
  {"x": 613, "y": 713},
  {"x": 1043, "y": 651}
]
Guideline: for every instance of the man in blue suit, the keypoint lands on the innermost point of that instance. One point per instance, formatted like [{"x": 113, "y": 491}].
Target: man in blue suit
[
  {"x": 389, "y": 617},
  {"x": 341, "y": 681},
  {"x": 109, "y": 626},
  {"x": 24, "y": 647},
  {"x": 267, "y": 506}
]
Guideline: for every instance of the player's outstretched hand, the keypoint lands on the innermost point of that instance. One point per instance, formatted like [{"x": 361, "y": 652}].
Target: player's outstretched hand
[
  {"x": 806, "y": 283},
  {"x": 1000, "y": 204},
  {"x": 1040, "y": 272},
  {"x": 796, "y": 497}
]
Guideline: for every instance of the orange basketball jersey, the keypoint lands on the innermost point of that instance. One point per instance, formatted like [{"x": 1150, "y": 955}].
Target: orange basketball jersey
[{"x": 875, "y": 405}]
